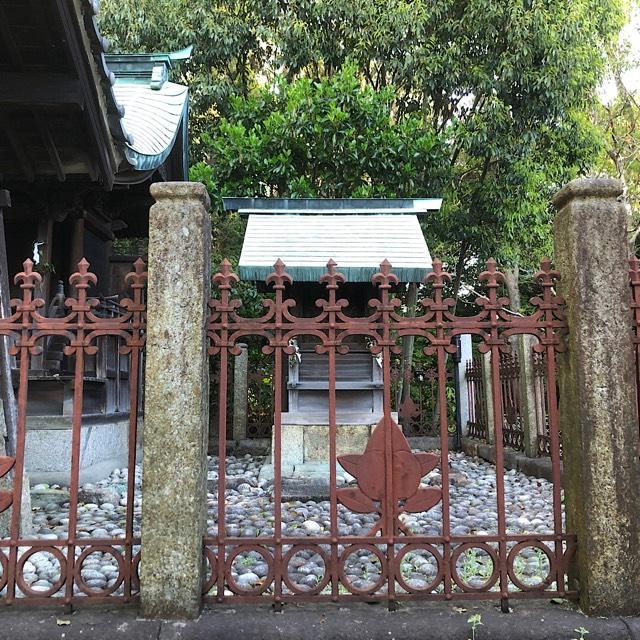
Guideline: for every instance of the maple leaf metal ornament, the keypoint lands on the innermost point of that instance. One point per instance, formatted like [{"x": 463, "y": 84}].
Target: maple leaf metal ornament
[{"x": 408, "y": 468}]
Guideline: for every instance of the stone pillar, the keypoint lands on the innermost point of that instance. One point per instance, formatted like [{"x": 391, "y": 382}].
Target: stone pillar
[
  {"x": 523, "y": 348},
  {"x": 598, "y": 412},
  {"x": 176, "y": 402},
  {"x": 488, "y": 395},
  {"x": 240, "y": 393},
  {"x": 466, "y": 354}
]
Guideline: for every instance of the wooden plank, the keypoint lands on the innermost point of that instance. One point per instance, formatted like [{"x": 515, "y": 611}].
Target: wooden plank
[
  {"x": 50, "y": 145},
  {"x": 17, "y": 148},
  {"x": 40, "y": 89}
]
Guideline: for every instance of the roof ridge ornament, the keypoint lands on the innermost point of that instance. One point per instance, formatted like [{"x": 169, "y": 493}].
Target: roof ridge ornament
[{"x": 159, "y": 75}]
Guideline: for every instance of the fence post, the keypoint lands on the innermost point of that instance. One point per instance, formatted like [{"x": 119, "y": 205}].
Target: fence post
[
  {"x": 174, "y": 485},
  {"x": 240, "y": 393},
  {"x": 488, "y": 395},
  {"x": 523, "y": 346},
  {"x": 598, "y": 411}
]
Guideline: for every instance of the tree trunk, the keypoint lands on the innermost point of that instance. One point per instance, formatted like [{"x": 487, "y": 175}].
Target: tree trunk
[
  {"x": 457, "y": 281},
  {"x": 512, "y": 278},
  {"x": 408, "y": 343}
]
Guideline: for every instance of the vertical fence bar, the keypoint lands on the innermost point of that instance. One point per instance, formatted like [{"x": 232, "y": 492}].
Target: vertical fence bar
[
  {"x": 279, "y": 278},
  {"x": 28, "y": 280},
  {"x": 76, "y": 435},
  {"x": 444, "y": 467},
  {"x": 137, "y": 280},
  {"x": 492, "y": 277},
  {"x": 222, "y": 463},
  {"x": 332, "y": 278}
]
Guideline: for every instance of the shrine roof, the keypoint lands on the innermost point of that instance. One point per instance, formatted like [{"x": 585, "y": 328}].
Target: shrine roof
[
  {"x": 69, "y": 109},
  {"x": 357, "y": 242}
]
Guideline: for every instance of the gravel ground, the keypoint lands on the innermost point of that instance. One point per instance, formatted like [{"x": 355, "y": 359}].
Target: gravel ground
[{"x": 249, "y": 514}]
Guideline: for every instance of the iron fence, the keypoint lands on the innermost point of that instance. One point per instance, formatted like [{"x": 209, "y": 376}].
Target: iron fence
[
  {"x": 384, "y": 479},
  {"x": 477, "y": 400},
  {"x": 69, "y": 556}
]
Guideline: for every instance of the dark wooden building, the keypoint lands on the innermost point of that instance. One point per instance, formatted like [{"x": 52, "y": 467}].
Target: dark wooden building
[{"x": 83, "y": 134}]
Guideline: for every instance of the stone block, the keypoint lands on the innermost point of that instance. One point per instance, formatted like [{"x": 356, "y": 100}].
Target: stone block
[{"x": 349, "y": 439}]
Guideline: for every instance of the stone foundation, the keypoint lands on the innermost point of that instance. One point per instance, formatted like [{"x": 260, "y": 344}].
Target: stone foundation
[
  {"x": 103, "y": 447},
  {"x": 304, "y": 444}
]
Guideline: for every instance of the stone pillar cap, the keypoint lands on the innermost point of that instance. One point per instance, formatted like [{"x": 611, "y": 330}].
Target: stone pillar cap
[
  {"x": 587, "y": 188},
  {"x": 180, "y": 190}
]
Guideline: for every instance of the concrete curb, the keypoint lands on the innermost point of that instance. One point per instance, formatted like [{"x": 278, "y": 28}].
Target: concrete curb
[{"x": 358, "y": 621}]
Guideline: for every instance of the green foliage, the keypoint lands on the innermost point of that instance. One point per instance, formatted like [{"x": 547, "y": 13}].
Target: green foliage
[
  {"x": 475, "y": 621},
  {"x": 485, "y": 103},
  {"x": 231, "y": 41},
  {"x": 330, "y": 138},
  {"x": 619, "y": 118}
]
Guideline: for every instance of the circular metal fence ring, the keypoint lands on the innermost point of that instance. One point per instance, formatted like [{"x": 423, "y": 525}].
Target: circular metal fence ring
[
  {"x": 58, "y": 555},
  {"x": 268, "y": 579},
  {"x": 4, "y": 564},
  {"x": 212, "y": 560},
  {"x": 512, "y": 573},
  {"x": 409, "y": 548},
  {"x": 287, "y": 578},
  {"x": 135, "y": 572},
  {"x": 77, "y": 570},
  {"x": 383, "y": 568},
  {"x": 493, "y": 578}
]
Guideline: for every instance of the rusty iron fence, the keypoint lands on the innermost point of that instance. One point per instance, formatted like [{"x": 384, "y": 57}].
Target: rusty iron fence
[
  {"x": 70, "y": 555},
  {"x": 477, "y": 398},
  {"x": 513, "y": 430},
  {"x": 513, "y": 426},
  {"x": 541, "y": 406},
  {"x": 418, "y": 408},
  {"x": 387, "y": 482},
  {"x": 260, "y": 400},
  {"x": 634, "y": 280}
]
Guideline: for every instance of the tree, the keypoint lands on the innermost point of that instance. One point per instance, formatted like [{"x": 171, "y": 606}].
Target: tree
[
  {"x": 330, "y": 138},
  {"x": 507, "y": 85},
  {"x": 619, "y": 118},
  {"x": 230, "y": 39}
]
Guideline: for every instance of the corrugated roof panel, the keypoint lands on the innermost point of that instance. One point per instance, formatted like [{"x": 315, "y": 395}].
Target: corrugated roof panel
[{"x": 357, "y": 243}]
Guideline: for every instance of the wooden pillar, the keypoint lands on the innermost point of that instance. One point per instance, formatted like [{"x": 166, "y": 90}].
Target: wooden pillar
[{"x": 77, "y": 243}]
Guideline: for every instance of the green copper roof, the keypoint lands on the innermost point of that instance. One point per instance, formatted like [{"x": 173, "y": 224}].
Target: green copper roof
[
  {"x": 358, "y": 243},
  {"x": 152, "y": 118},
  {"x": 155, "y": 110}
]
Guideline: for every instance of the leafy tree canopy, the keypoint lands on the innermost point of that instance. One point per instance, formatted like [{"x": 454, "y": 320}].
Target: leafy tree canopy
[{"x": 331, "y": 97}]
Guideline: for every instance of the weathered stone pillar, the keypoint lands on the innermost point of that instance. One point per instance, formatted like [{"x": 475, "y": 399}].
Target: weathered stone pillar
[
  {"x": 598, "y": 412},
  {"x": 176, "y": 402},
  {"x": 240, "y": 393},
  {"x": 488, "y": 395},
  {"x": 523, "y": 348}
]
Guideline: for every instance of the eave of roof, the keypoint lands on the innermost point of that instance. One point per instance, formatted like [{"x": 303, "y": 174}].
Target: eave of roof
[
  {"x": 77, "y": 92},
  {"x": 357, "y": 243},
  {"x": 246, "y": 206}
]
